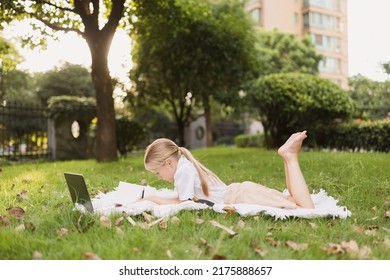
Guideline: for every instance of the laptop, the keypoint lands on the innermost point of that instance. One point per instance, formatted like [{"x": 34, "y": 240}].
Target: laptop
[{"x": 78, "y": 190}]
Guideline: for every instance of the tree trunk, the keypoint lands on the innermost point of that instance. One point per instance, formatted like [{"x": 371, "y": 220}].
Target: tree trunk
[
  {"x": 106, "y": 147},
  {"x": 99, "y": 42},
  {"x": 181, "y": 128},
  {"x": 207, "y": 114}
]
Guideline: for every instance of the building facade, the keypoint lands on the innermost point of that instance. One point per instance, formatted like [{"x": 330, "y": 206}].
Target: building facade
[{"x": 325, "y": 21}]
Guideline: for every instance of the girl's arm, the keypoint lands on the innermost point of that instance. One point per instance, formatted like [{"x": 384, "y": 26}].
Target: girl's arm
[{"x": 161, "y": 200}]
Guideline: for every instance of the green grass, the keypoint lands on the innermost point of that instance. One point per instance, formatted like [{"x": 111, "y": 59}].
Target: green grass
[{"x": 361, "y": 181}]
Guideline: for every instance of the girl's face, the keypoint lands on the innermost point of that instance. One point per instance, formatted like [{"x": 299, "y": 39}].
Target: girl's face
[{"x": 167, "y": 170}]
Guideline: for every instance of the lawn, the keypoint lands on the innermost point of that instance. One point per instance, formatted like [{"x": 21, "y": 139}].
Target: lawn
[{"x": 47, "y": 228}]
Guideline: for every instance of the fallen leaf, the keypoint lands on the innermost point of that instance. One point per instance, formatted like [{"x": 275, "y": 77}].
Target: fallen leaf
[
  {"x": 351, "y": 247},
  {"x": 387, "y": 214},
  {"x": 90, "y": 256},
  {"x": 131, "y": 221},
  {"x": 62, "y": 232},
  {"x": 374, "y": 209},
  {"x": 371, "y": 232},
  {"x": 105, "y": 221},
  {"x": 118, "y": 230},
  {"x": 175, "y": 219},
  {"x": 26, "y": 180},
  {"x": 143, "y": 225},
  {"x": 218, "y": 257},
  {"x": 358, "y": 229},
  {"x": 228, "y": 230},
  {"x": 16, "y": 212},
  {"x": 364, "y": 252},
  {"x": 143, "y": 182},
  {"x": 37, "y": 255},
  {"x": 23, "y": 194},
  {"x": 334, "y": 248},
  {"x": 20, "y": 228},
  {"x": 259, "y": 249},
  {"x": 4, "y": 221},
  {"x": 241, "y": 224},
  {"x": 199, "y": 221},
  {"x": 386, "y": 242},
  {"x": 155, "y": 222},
  {"x": 169, "y": 254},
  {"x": 297, "y": 247},
  {"x": 229, "y": 210},
  {"x": 119, "y": 221},
  {"x": 203, "y": 241},
  {"x": 163, "y": 224},
  {"x": 148, "y": 218},
  {"x": 272, "y": 241},
  {"x": 313, "y": 225}
]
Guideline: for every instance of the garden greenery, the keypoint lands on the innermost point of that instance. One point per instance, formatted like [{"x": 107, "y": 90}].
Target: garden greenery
[{"x": 290, "y": 102}]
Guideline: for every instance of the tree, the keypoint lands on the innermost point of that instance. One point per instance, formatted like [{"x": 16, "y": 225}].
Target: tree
[
  {"x": 191, "y": 51},
  {"x": 96, "y": 21},
  {"x": 372, "y": 98},
  {"x": 70, "y": 80},
  {"x": 19, "y": 87},
  {"x": 9, "y": 59},
  {"x": 281, "y": 52},
  {"x": 290, "y": 102}
]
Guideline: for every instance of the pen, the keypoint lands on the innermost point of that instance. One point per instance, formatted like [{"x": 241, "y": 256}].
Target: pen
[{"x": 143, "y": 194}]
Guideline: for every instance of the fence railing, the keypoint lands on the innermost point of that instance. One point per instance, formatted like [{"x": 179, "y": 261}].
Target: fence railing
[{"x": 23, "y": 132}]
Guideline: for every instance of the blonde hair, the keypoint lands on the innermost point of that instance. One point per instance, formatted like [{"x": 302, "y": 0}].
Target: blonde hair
[{"x": 161, "y": 149}]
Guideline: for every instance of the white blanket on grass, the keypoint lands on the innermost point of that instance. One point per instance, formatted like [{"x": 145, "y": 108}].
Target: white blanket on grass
[{"x": 123, "y": 199}]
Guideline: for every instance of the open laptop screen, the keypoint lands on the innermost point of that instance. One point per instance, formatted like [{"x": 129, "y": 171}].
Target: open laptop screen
[{"x": 78, "y": 190}]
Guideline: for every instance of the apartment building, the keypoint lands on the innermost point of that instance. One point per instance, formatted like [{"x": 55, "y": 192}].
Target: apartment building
[{"x": 325, "y": 21}]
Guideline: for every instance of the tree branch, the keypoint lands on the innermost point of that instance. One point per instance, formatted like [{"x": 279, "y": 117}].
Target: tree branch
[
  {"x": 115, "y": 16},
  {"x": 55, "y": 6},
  {"x": 54, "y": 26}
]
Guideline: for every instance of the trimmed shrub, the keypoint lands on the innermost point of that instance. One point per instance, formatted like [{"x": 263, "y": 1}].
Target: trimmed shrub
[
  {"x": 249, "y": 140},
  {"x": 355, "y": 136},
  {"x": 291, "y": 102}
]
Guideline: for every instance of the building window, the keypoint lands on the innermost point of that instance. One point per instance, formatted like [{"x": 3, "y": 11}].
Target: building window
[
  {"x": 330, "y": 64},
  {"x": 256, "y": 15},
  {"x": 321, "y": 21},
  {"x": 296, "y": 18},
  {"x": 325, "y": 42},
  {"x": 328, "y": 4}
]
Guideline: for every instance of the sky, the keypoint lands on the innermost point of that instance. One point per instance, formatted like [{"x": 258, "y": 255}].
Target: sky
[
  {"x": 368, "y": 45},
  {"x": 368, "y": 37}
]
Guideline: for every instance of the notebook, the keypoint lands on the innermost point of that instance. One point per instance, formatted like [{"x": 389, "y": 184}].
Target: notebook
[{"x": 78, "y": 190}]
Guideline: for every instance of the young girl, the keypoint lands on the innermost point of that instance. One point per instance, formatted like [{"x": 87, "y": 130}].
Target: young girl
[{"x": 193, "y": 181}]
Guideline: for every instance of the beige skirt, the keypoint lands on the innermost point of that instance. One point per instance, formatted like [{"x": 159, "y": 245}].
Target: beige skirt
[{"x": 252, "y": 193}]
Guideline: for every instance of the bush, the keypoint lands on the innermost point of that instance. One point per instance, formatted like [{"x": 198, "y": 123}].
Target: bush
[
  {"x": 291, "y": 102},
  {"x": 252, "y": 140},
  {"x": 129, "y": 134},
  {"x": 355, "y": 136}
]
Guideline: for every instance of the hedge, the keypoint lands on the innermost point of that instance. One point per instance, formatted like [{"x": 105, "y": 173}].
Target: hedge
[{"x": 355, "y": 136}]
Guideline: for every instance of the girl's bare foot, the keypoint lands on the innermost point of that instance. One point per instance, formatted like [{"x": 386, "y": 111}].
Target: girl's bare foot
[{"x": 292, "y": 146}]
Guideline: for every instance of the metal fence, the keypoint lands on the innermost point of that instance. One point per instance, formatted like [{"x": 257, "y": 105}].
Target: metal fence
[{"x": 23, "y": 132}]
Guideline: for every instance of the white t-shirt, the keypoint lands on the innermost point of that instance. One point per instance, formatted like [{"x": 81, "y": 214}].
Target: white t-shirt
[{"x": 187, "y": 184}]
